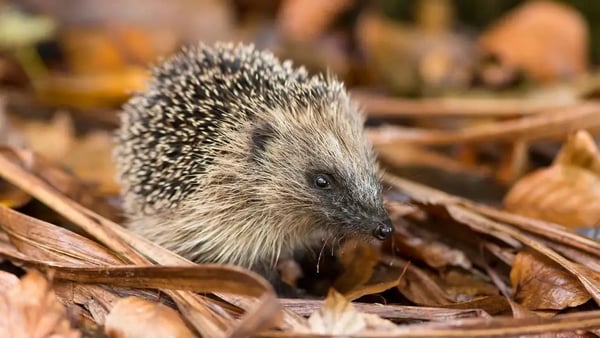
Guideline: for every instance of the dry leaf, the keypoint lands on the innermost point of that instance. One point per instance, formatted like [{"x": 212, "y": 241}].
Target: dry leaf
[
  {"x": 53, "y": 139},
  {"x": 407, "y": 59},
  {"x": 88, "y": 156},
  {"x": 435, "y": 253},
  {"x": 338, "y": 316},
  {"x": 465, "y": 286},
  {"x": 568, "y": 192},
  {"x": 546, "y": 39},
  {"x": 580, "y": 150},
  {"x": 135, "y": 317},
  {"x": 542, "y": 285},
  {"x": 30, "y": 309},
  {"x": 67, "y": 183},
  {"x": 11, "y": 196},
  {"x": 91, "y": 160},
  {"x": 97, "y": 300},
  {"x": 535, "y": 102},
  {"x": 93, "y": 50},
  {"x": 106, "y": 89},
  {"x": 420, "y": 288},
  {"x": 9, "y": 135},
  {"x": 304, "y": 20},
  {"x": 358, "y": 259}
]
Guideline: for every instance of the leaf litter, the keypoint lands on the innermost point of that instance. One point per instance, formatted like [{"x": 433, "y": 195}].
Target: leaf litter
[{"x": 41, "y": 245}]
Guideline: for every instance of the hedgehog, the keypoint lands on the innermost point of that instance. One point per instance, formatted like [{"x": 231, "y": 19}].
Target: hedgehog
[{"x": 232, "y": 156}]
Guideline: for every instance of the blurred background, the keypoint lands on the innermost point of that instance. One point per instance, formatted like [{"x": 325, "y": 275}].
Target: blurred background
[
  {"x": 67, "y": 66},
  {"x": 415, "y": 48}
]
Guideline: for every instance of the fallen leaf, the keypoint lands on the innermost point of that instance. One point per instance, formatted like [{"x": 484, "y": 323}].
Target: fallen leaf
[
  {"x": 31, "y": 309},
  {"x": 358, "y": 259},
  {"x": 338, "y": 316},
  {"x": 135, "y": 317},
  {"x": 91, "y": 160},
  {"x": 90, "y": 193},
  {"x": 408, "y": 59},
  {"x": 465, "y": 286},
  {"x": 422, "y": 289},
  {"x": 9, "y": 135},
  {"x": 106, "y": 89},
  {"x": 95, "y": 49},
  {"x": 545, "y": 39},
  {"x": 53, "y": 139},
  {"x": 580, "y": 150},
  {"x": 304, "y": 20},
  {"x": 97, "y": 300},
  {"x": 434, "y": 253},
  {"x": 568, "y": 192},
  {"x": 541, "y": 284},
  {"x": 89, "y": 157},
  {"x": 11, "y": 196}
]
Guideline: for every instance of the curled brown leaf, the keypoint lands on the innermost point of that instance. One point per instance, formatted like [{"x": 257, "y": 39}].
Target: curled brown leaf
[
  {"x": 566, "y": 192},
  {"x": 541, "y": 284}
]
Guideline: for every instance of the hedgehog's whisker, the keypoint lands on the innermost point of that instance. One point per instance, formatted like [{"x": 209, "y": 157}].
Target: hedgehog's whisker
[{"x": 321, "y": 252}]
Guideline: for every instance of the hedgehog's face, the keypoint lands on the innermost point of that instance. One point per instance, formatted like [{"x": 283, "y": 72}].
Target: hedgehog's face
[
  {"x": 325, "y": 169},
  {"x": 350, "y": 204}
]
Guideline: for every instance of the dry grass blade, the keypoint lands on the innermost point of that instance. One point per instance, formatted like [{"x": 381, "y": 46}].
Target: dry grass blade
[
  {"x": 382, "y": 106},
  {"x": 42, "y": 240},
  {"x": 198, "y": 278},
  {"x": 259, "y": 315},
  {"x": 306, "y": 307},
  {"x": 558, "y": 123},
  {"x": 551, "y": 231}
]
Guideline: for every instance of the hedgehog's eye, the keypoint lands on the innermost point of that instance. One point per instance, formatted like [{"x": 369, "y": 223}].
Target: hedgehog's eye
[{"x": 322, "y": 181}]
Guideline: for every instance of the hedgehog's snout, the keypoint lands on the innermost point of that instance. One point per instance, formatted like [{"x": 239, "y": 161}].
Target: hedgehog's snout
[{"x": 384, "y": 230}]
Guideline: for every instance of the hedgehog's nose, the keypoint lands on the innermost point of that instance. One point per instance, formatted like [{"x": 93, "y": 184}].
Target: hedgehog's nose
[{"x": 384, "y": 230}]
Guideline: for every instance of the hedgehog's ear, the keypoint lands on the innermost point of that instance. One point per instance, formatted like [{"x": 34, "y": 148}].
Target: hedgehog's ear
[{"x": 261, "y": 134}]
